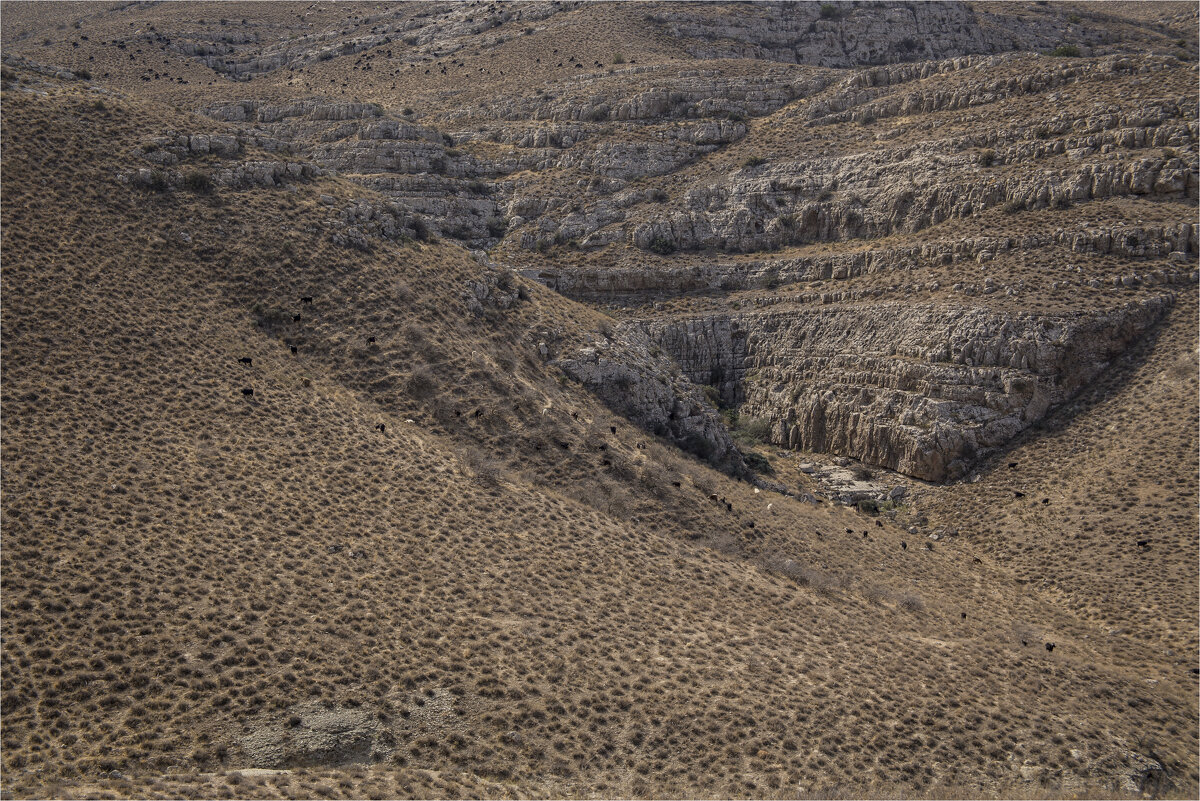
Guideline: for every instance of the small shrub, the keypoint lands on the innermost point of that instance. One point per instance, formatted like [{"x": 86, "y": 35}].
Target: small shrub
[
  {"x": 422, "y": 384},
  {"x": 662, "y": 246},
  {"x": 987, "y": 158},
  {"x": 659, "y": 195},
  {"x": 197, "y": 181},
  {"x": 1014, "y": 206},
  {"x": 868, "y": 507},
  {"x": 420, "y": 229},
  {"x": 863, "y": 474},
  {"x": 829, "y": 11},
  {"x": 618, "y": 58},
  {"x": 757, "y": 462},
  {"x": 158, "y": 181},
  {"x": 754, "y": 161},
  {"x": 81, "y": 73},
  {"x": 1066, "y": 51},
  {"x": 496, "y": 227},
  {"x": 911, "y": 602},
  {"x": 753, "y": 429}
]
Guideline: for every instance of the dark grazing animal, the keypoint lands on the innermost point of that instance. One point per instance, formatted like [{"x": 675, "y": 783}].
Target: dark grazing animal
[
  {"x": 246, "y": 360},
  {"x": 903, "y": 545},
  {"x": 370, "y": 340},
  {"x": 381, "y": 427},
  {"x": 295, "y": 318},
  {"x": 676, "y": 484},
  {"x": 1144, "y": 544},
  {"x": 247, "y": 392},
  {"x": 307, "y": 300},
  {"x": 1049, "y": 646},
  {"x": 295, "y": 350},
  {"x": 613, "y": 429}
]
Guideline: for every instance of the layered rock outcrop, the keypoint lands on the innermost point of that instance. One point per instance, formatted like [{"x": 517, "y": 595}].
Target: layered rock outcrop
[
  {"x": 637, "y": 379},
  {"x": 924, "y": 390}
]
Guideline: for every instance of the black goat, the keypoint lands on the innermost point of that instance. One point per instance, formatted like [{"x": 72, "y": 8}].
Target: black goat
[
  {"x": 247, "y": 392},
  {"x": 381, "y": 428},
  {"x": 370, "y": 340},
  {"x": 295, "y": 318},
  {"x": 295, "y": 350},
  {"x": 246, "y": 360},
  {"x": 1049, "y": 646},
  {"x": 307, "y": 300},
  {"x": 903, "y": 545},
  {"x": 613, "y": 429}
]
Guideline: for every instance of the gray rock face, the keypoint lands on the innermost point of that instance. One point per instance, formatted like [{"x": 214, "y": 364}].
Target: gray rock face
[
  {"x": 833, "y": 34},
  {"x": 638, "y": 380},
  {"x": 923, "y": 390}
]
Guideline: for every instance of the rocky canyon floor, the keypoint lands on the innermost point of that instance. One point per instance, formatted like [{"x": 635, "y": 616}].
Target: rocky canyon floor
[{"x": 587, "y": 400}]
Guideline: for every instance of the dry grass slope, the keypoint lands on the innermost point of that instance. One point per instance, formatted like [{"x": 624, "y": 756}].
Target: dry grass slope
[{"x": 419, "y": 561}]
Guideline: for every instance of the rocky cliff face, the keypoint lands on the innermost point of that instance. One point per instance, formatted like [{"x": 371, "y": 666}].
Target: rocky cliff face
[
  {"x": 639, "y": 380},
  {"x": 924, "y": 390}
]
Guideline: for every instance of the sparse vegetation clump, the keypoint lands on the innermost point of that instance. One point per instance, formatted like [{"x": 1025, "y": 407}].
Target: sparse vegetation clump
[
  {"x": 1066, "y": 51},
  {"x": 197, "y": 181}
]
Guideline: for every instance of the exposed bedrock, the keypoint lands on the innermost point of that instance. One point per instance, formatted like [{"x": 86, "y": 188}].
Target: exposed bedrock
[
  {"x": 766, "y": 211},
  {"x": 721, "y": 275},
  {"x": 636, "y": 379},
  {"x": 924, "y": 390}
]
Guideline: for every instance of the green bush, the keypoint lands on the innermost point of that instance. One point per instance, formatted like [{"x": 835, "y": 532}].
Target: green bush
[
  {"x": 1066, "y": 51},
  {"x": 618, "y": 58},
  {"x": 662, "y": 246},
  {"x": 829, "y": 11},
  {"x": 987, "y": 158},
  {"x": 81, "y": 73},
  {"x": 753, "y": 429},
  {"x": 757, "y": 462},
  {"x": 754, "y": 161},
  {"x": 868, "y": 507}
]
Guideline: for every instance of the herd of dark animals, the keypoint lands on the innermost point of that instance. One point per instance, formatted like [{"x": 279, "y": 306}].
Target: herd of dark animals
[{"x": 1143, "y": 545}]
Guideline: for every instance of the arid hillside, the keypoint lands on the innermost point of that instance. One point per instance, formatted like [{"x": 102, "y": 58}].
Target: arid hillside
[{"x": 599, "y": 400}]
